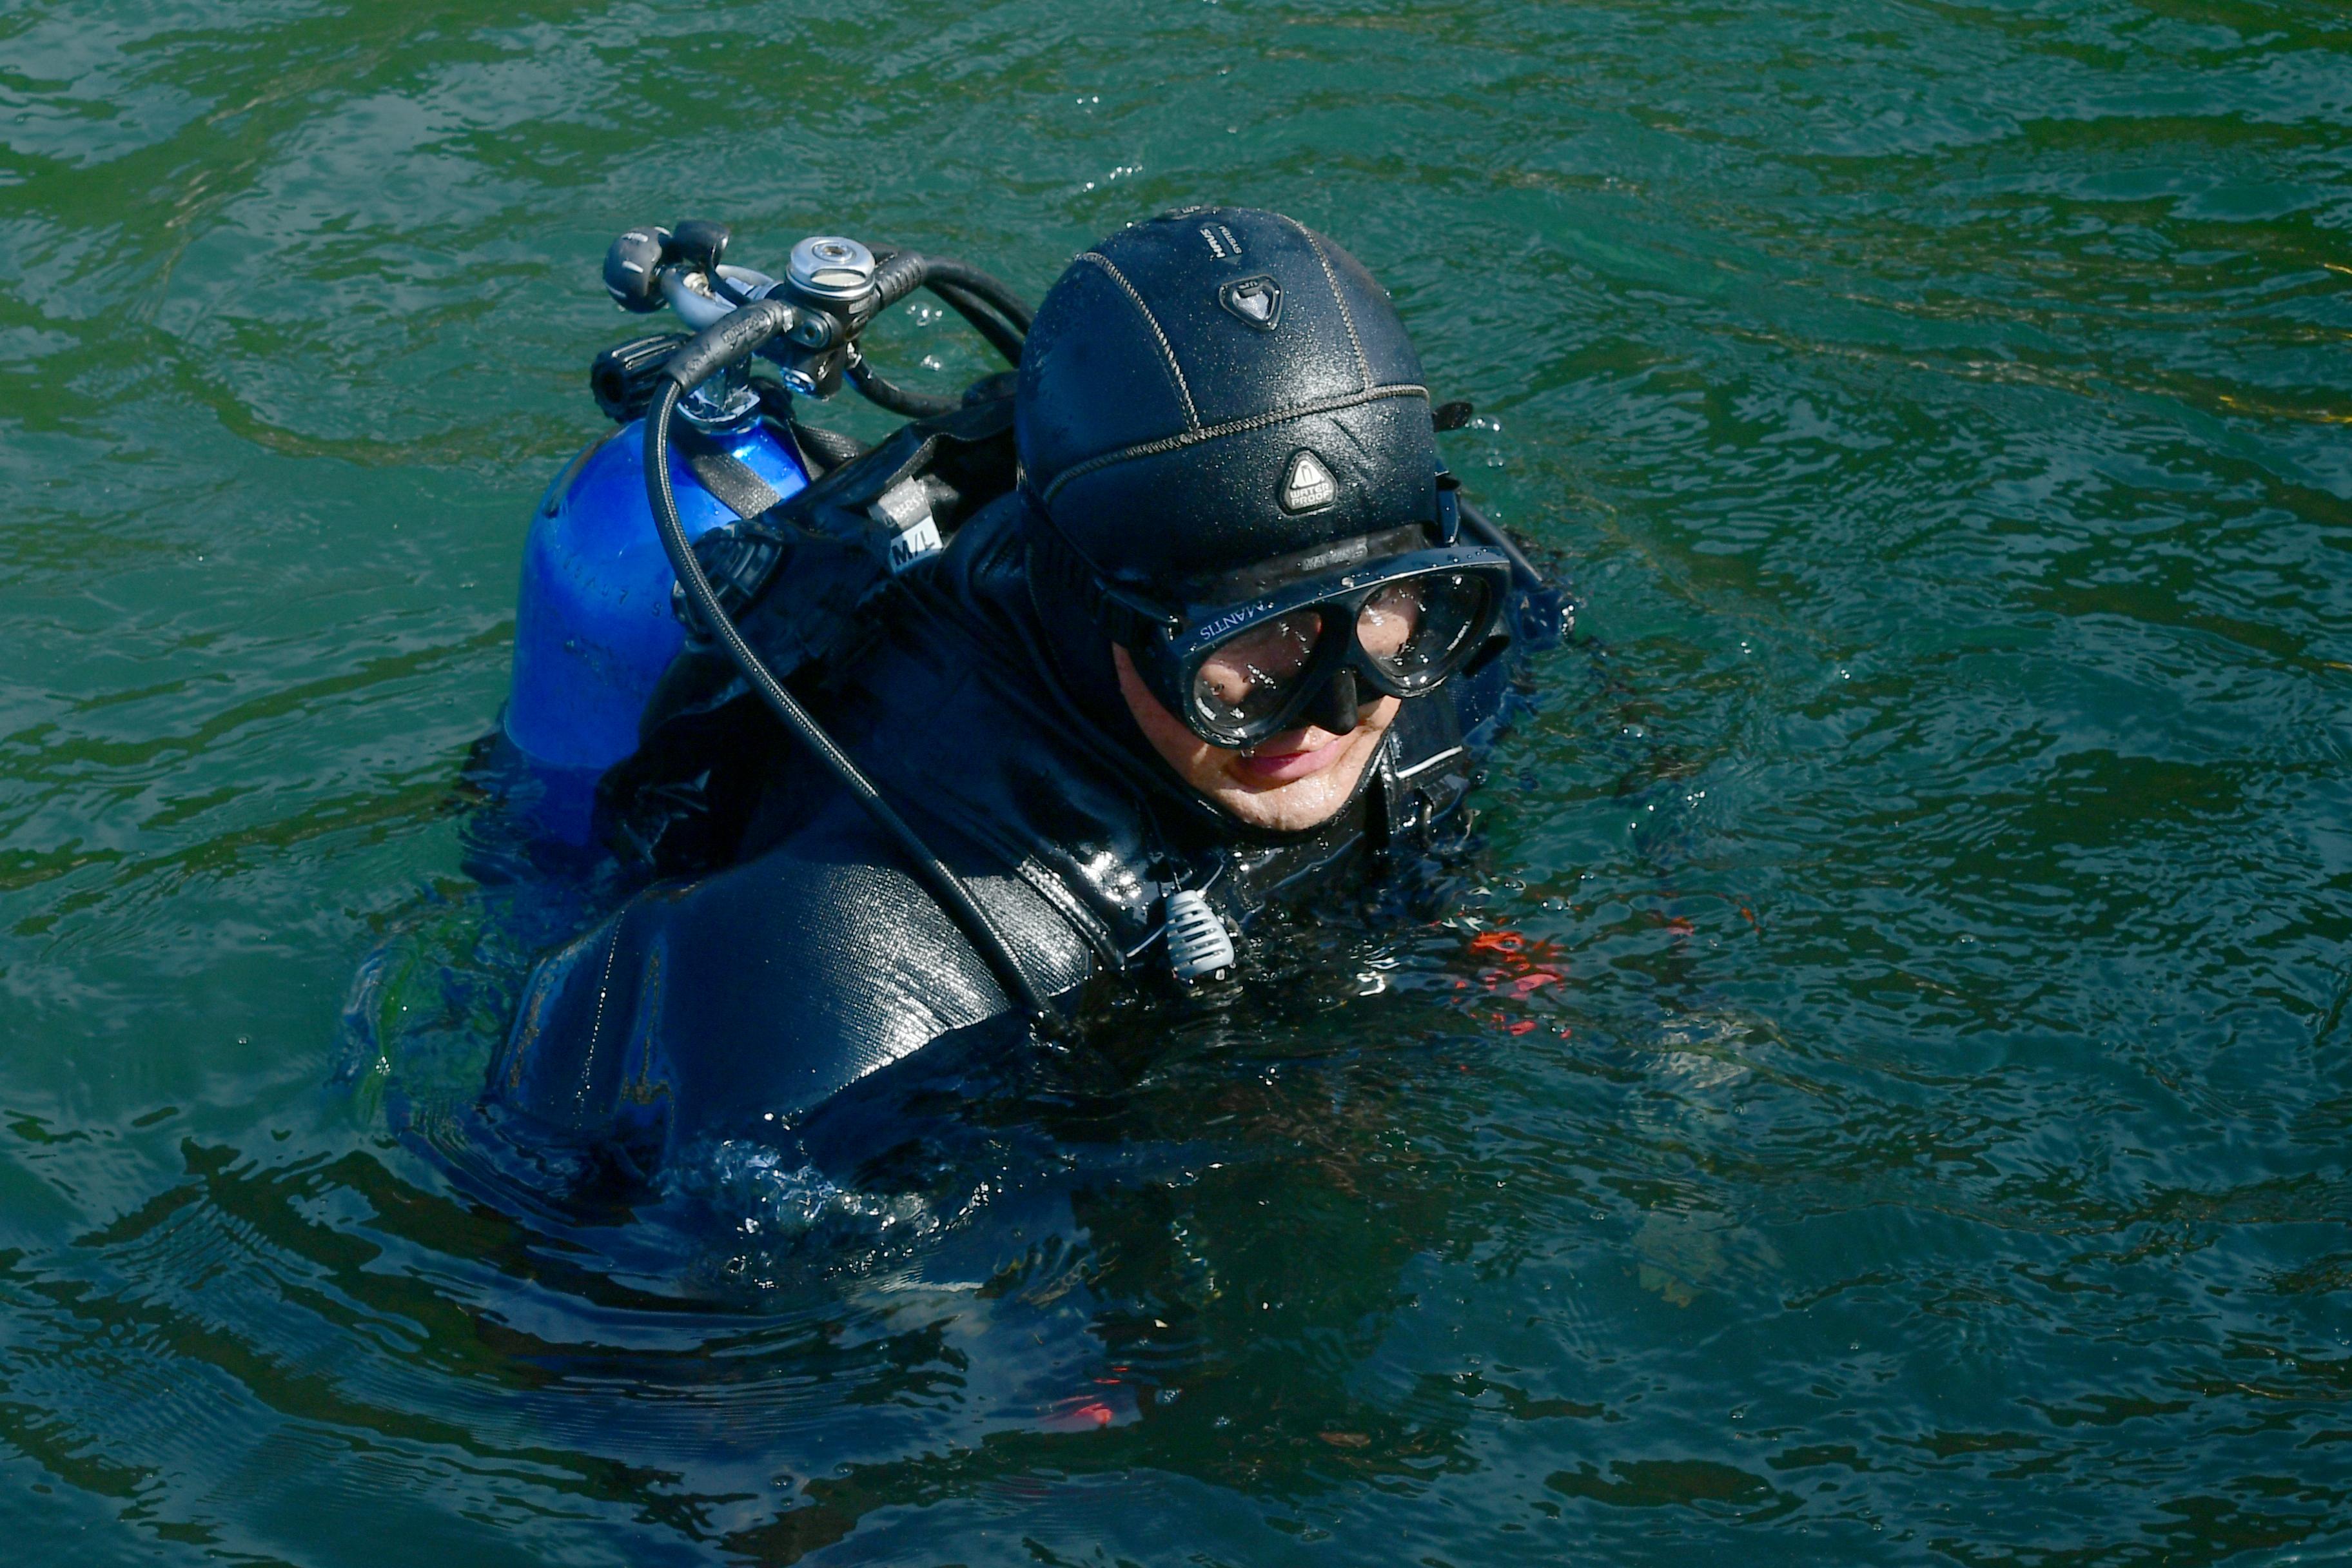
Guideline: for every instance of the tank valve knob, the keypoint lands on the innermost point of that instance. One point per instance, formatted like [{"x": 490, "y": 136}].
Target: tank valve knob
[
  {"x": 699, "y": 243},
  {"x": 630, "y": 265},
  {"x": 1199, "y": 945},
  {"x": 625, "y": 377}
]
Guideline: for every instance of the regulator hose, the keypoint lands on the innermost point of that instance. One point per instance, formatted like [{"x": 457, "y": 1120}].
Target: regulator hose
[
  {"x": 877, "y": 388},
  {"x": 731, "y": 338},
  {"x": 972, "y": 280},
  {"x": 996, "y": 312},
  {"x": 1005, "y": 340}
]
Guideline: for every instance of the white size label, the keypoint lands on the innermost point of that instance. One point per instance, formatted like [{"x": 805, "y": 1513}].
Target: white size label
[{"x": 911, "y": 546}]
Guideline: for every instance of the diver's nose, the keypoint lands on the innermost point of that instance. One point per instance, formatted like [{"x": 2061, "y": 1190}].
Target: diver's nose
[{"x": 1334, "y": 707}]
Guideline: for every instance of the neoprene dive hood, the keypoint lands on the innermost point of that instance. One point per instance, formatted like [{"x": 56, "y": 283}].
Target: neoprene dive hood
[{"x": 1214, "y": 387}]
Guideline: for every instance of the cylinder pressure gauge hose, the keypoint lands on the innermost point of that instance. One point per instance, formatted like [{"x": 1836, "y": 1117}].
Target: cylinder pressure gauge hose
[{"x": 816, "y": 329}]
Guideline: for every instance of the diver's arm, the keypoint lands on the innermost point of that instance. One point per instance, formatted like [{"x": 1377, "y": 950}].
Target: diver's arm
[{"x": 762, "y": 992}]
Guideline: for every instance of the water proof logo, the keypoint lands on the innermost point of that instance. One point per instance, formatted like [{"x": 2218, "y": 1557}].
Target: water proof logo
[{"x": 1307, "y": 484}]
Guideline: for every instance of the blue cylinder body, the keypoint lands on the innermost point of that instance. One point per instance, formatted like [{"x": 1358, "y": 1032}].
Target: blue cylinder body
[{"x": 592, "y": 625}]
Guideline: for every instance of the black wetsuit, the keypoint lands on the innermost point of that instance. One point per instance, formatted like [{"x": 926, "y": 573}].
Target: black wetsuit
[{"x": 723, "y": 1003}]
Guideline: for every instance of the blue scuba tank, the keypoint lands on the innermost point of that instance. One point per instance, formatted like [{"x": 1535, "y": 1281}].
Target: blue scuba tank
[{"x": 594, "y": 629}]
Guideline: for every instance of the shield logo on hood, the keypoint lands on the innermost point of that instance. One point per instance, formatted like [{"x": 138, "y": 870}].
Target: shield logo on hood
[
  {"x": 1256, "y": 301},
  {"x": 1307, "y": 484}
]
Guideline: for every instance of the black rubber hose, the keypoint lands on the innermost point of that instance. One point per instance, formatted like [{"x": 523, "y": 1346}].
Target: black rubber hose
[
  {"x": 878, "y": 388},
  {"x": 1005, "y": 340},
  {"x": 728, "y": 341},
  {"x": 974, "y": 282},
  {"x": 900, "y": 277},
  {"x": 971, "y": 280},
  {"x": 995, "y": 311},
  {"x": 944, "y": 884}
]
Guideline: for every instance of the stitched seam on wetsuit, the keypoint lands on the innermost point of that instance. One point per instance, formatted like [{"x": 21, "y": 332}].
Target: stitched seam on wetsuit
[
  {"x": 1028, "y": 871},
  {"x": 1234, "y": 427},
  {"x": 1167, "y": 352},
  {"x": 1346, "y": 315},
  {"x": 1040, "y": 880}
]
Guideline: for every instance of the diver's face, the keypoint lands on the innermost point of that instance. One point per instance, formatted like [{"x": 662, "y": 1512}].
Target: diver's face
[{"x": 1297, "y": 779}]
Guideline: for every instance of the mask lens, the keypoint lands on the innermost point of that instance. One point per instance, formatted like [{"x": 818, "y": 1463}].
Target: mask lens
[
  {"x": 1252, "y": 674},
  {"x": 1416, "y": 631}
]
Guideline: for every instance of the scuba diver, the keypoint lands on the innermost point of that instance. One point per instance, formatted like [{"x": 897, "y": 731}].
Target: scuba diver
[{"x": 1179, "y": 621}]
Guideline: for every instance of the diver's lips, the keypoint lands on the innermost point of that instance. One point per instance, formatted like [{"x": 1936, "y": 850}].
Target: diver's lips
[{"x": 1267, "y": 766}]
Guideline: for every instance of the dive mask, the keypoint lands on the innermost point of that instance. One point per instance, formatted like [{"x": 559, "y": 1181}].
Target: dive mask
[{"x": 1292, "y": 641}]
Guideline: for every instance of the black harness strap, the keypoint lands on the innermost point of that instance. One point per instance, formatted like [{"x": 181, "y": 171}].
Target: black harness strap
[{"x": 741, "y": 490}]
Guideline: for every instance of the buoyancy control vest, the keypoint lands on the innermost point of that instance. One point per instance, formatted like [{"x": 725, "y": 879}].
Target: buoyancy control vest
[
  {"x": 908, "y": 787},
  {"x": 789, "y": 956}
]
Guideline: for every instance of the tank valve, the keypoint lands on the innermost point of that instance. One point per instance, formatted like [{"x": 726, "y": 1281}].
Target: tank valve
[{"x": 1199, "y": 945}]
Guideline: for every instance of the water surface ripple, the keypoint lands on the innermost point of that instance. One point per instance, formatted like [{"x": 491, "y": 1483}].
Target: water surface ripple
[{"x": 1878, "y": 1091}]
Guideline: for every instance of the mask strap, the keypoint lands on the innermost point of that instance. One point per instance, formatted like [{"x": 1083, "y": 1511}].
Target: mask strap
[{"x": 1126, "y": 618}]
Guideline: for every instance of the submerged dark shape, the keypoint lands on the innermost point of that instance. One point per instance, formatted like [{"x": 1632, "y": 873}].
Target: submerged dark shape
[{"x": 1169, "y": 445}]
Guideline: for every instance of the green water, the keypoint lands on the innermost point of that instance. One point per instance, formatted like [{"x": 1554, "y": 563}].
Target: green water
[{"x": 1880, "y": 1094}]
